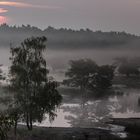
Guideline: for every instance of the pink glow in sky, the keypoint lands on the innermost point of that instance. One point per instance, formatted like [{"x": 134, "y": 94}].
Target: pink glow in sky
[
  {"x": 24, "y": 5},
  {"x": 3, "y": 19},
  {"x": 16, "y": 4},
  {"x": 105, "y": 15}
]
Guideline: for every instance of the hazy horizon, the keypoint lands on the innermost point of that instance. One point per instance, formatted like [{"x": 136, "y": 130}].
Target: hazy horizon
[{"x": 107, "y": 15}]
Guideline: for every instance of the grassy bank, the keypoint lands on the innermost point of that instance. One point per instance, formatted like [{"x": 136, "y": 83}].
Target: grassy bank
[{"x": 40, "y": 133}]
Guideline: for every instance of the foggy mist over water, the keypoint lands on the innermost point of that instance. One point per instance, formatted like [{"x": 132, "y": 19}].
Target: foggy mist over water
[
  {"x": 95, "y": 112},
  {"x": 58, "y": 60},
  {"x": 72, "y": 64}
]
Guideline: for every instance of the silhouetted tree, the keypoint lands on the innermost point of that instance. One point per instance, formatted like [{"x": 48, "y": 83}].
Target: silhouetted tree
[
  {"x": 128, "y": 66},
  {"x": 87, "y": 75},
  {"x": 15, "y": 113},
  {"x": 128, "y": 70},
  {"x": 103, "y": 78},
  {"x": 1, "y": 73},
  {"x": 36, "y": 94},
  {"x": 79, "y": 72}
]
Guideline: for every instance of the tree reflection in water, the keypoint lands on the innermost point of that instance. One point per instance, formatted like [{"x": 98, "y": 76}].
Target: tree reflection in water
[
  {"x": 92, "y": 112},
  {"x": 129, "y": 103}
]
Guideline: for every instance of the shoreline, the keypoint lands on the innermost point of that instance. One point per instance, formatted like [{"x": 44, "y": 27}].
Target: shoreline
[{"x": 63, "y": 133}]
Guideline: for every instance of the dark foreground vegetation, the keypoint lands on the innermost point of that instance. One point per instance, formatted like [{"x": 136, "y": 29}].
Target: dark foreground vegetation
[
  {"x": 40, "y": 133},
  {"x": 132, "y": 125}
]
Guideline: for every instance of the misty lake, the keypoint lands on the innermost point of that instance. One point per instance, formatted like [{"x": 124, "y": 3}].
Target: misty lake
[
  {"x": 58, "y": 60},
  {"x": 74, "y": 112}
]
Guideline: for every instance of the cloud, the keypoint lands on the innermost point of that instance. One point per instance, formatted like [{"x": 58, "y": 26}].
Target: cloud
[
  {"x": 25, "y": 5},
  {"x": 15, "y": 4},
  {"x": 3, "y": 10}
]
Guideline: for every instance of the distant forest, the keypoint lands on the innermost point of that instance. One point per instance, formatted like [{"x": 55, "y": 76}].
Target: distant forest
[{"x": 67, "y": 38}]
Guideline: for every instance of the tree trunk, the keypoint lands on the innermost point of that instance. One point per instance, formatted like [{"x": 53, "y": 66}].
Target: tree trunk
[
  {"x": 30, "y": 121},
  {"x": 83, "y": 94},
  {"x": 15, "y": 126},
  {"x": 27, "y": 121}
]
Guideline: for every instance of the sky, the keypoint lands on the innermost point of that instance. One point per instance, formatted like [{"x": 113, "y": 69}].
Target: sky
[{"x": 105, "y": 15}]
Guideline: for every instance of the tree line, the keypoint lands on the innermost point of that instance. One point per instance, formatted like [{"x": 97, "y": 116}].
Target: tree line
[
  {"x": 128, "y": 66},
  {"x": 87, "y": 75},
  {"x": 64, "y": 38}
]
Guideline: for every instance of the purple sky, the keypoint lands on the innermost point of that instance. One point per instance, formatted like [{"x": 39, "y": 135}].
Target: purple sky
[{"x": 106, "y": 15}]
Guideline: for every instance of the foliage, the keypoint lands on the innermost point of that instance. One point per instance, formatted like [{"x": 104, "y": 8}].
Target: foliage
[
  {"x": 5, "y": 120},
  {"x": 103, "y": 78},
  {"x": 1, "y": 73},
  {"x": 35, "y": 93},
  {"x": 128, "y": 66},
  {"x": 86, "y": 74},
  {"x": 128, "y": 70},
  {"x": 80, "y": 71},
  {"x": 5, "y": 125}
]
